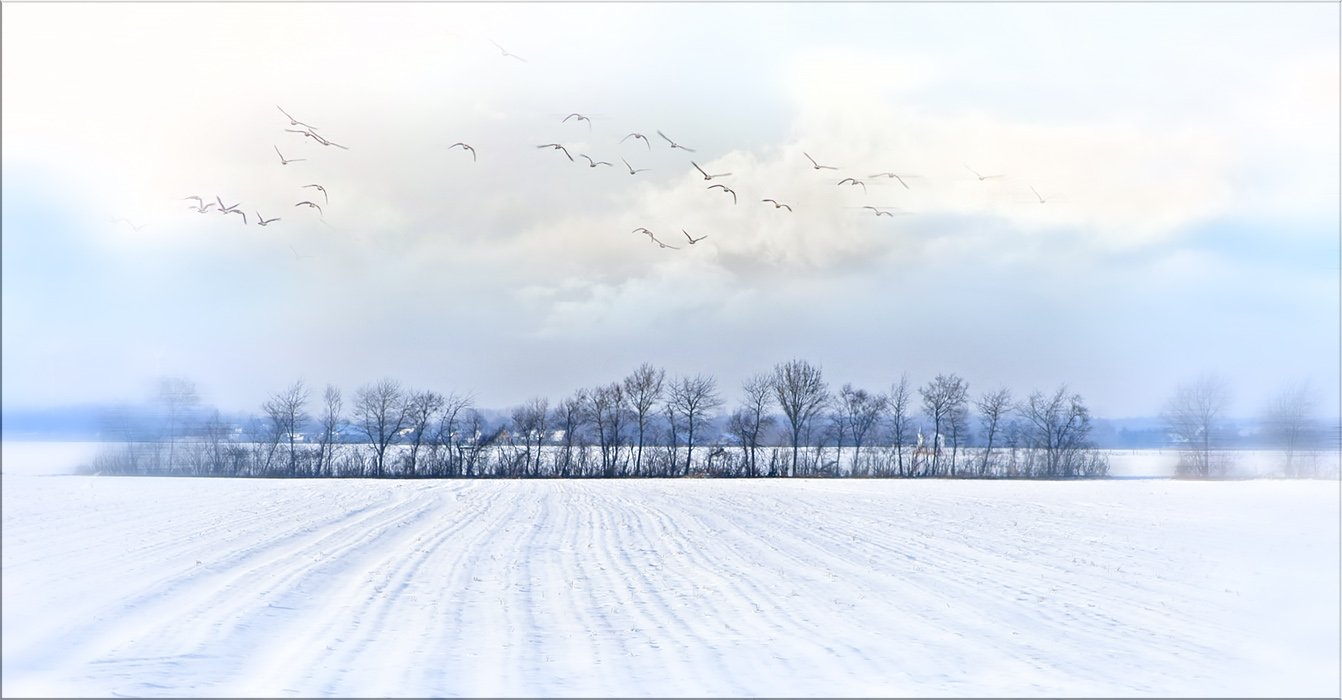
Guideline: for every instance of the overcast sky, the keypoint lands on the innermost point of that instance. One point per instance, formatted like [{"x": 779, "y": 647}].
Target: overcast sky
[{"x": 1188, "y": 154}]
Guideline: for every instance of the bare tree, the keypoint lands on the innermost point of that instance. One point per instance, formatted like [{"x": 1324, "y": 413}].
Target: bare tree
[
  {"x": 899, "y": 420},
  {"x": 606, "y": 409},
  {"x": 749, "y": 422},
  {"x": 1289, "y": 421},
  {"x": 218, "y": 441},
  {"x": 478, "y": 438},
  {"x": 675, "y": 431},
  {"x": 286, "y": 415},
  {"x": 421, "y": 408},
  {"x": 994, "y": 408},
  {"x": 1193, "y": 415},
  {"x": 1058, "y": 425},
  {"x": 380, "y": 414},
  {"x": 693, "y": 401},
  {"x": 944, "y": 400},
  {"x": 858, "y": 411},
  {"x": 801, "y": 393},
  {"x": 446, "y": 438},
  {"x": 569, "y": 417},
  {"x": 331, "y": 422},
  {"x": 178, "y": 396},
  {"x": 529, "y": 423},
  {"x": 642, "y": 391}
]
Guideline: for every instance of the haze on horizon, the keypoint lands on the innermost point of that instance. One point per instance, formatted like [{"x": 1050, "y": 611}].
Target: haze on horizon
[{"x": 1189, "y": 154}]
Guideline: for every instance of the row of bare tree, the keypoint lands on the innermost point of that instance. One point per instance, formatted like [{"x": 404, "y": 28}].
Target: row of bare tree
[
  {"x": 1195, "y": 418},
  {"x": 788, "y": 424}
]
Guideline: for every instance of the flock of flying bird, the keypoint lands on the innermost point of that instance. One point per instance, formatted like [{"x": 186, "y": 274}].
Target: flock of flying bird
[
  {"x": 203, "y": 206},
  {"x": 308, "y": 131}
]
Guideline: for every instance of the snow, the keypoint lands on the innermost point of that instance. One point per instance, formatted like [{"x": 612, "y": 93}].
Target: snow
[{"x": 247, "y": 587}]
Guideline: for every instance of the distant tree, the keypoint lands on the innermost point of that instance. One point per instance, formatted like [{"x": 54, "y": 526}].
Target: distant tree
[
  {"x": 330, "y": 422},
  {"x": 442, "y": 458},
  {"x": 479, "y": 437},
  {"x": 1289, "y": 422},
  {"x": 607, "y": 411},
  {"x": 1192, "y": 416},
  {"x": 642, "y": 391},
  {"x": 529, "y": 423},
  {"x": 1058, "y": 426},
  {"x": 749, "y": 422},
  {"x": 899, "y": 420},
  {"x": 380, "y": 414},
  {"x": 218, "y": 442},
  {"x": 286, "y": 416},
  {"x": 692, "y": 400},
  {"x": 944, "y": 400},
  {"x": 674, "y": 433},
  {"x": 569, "y": 417},
  {"x": 994, "y": 411},
  {"x": 801, "y": 393},
  {"x": 177, "y": 396},
  {"x": 421, "y": 409},
  {"x": 957, "y": 429},
  {"x": 858, "y": 413}
]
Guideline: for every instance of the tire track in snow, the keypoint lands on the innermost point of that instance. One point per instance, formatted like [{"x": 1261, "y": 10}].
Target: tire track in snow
[
  {"x": 379, "y": 601},
  {"x": 492, "y": 588},
  {"x": 194, "y": 612}
]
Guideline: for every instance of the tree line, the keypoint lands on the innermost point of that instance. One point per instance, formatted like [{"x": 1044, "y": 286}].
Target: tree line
[{"x": 789, "y": 423}]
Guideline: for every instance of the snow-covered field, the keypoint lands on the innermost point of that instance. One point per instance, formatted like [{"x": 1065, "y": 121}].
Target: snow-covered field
[{"x": 222, "y": 587}]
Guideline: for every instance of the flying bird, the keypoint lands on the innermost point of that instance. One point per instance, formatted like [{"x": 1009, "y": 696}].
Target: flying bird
[
  {"x": 580, "y": 118},
  {"x": 286, "y": 161},
  {"x": 310, "y": 204},
  {"x": 706, "y": 175},
  {"x": 644, "y": 230},
  {"x": 594, "y": 163},
  {"x": 639, "y": 136},
  {"x": 323, "y": 191},
  {"x": 128, "y": 223},
  {"x": 632, "y": 169},
  {"x": 693, "y": 240},
  {"x": 817, "y": 165},
  {"x": 505, "y": 52},
  {"x": 777, "y": 205},
  {"x": 854, "y": 181},
  {"x": 201, "y": 205},
  {"x": 557, "y": 147},
  {"x": 465, "y": 147},
  {"x": 239, "y": 212},
  {"x": 292, "y": 121},
  {"x": 306, "y": 132},
  {"x": 654, "y": 240},
  {"x": 888, "y": 175},
  {"x": 1041, "y": 199},
  {"x": 673, "y": 143},
  {"x": 297, "y": 256},
  {"x": 262, "y": 221},
  {"x": 318, "y": 137},
  {"x": 977, "y": 175},
  {"x": 326, "y": 142},
  {"x": 726, "y": 189},
  {"x": 223, "y": 209},
  {"x": 879, "y": 212}
]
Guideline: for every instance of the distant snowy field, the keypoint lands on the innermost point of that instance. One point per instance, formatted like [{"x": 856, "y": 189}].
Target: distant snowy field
[{"x": 223, "y": 587}]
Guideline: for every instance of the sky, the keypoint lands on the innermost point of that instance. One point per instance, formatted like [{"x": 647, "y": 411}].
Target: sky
[{"x": 1187, "y": 156}]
